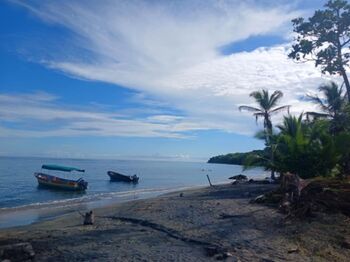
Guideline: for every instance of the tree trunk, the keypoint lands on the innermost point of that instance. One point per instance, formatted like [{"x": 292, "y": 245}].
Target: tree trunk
[
  {"x": 273, "y": 177},
  {"x": 339, "y": 47},
  {"x": 346, "y": 82},
  {"x": 269, "y": 143}
]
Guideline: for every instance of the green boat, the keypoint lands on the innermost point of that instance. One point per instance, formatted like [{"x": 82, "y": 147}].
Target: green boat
[{"x": 51, "y": 181}]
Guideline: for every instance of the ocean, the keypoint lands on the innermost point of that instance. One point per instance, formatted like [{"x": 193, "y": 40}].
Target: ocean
[{"x": 23, "y": 202}]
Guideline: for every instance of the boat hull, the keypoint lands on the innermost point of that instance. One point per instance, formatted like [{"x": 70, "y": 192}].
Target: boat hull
[
  {"x": 114, "y": 176},
  {"x": 60, "y": 183}
]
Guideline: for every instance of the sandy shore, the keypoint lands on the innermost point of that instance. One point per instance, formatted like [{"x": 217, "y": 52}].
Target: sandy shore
[{"x": 204, "y": 224}]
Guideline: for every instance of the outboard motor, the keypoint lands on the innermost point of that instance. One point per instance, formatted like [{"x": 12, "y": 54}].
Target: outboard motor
[{"x": 82, "y": 183}]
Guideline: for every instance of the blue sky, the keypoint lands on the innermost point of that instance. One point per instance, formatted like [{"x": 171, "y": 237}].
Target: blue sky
[{"x": 143, "y": 79}]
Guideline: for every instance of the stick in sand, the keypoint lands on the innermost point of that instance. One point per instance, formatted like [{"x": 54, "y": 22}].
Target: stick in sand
[{"x": 209, "y": 181}]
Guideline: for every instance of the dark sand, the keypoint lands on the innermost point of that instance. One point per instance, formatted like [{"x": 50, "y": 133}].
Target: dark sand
[{"x": 189, "y": 228}]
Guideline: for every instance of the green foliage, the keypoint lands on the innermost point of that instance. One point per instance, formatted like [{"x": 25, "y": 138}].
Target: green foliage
[
  {"x": 305, "y": 149},
  {"x": 266, "y": 106},
  {"x": 325, "y": 39},
  {"x": 319, "y": 145},
  {"x": 342, "y": 142},
  {"x": 333, "y": 106},
  {"x": 234, "y": 158}
]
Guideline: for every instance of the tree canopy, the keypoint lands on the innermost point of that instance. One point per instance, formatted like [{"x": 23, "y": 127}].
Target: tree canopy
[{"x": 325, "y": 39}]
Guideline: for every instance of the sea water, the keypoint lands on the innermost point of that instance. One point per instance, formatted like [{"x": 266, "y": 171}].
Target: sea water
[{"x": 19, "y": 191}]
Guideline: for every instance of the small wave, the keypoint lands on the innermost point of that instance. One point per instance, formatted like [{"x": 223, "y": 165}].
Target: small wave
[{"x": 95, "y": 197}]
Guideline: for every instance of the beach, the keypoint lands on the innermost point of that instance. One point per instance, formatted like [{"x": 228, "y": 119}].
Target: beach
[{"x": 209, "y": 223}]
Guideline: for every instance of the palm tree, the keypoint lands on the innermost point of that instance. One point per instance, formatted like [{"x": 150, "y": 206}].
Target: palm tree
[
  {"x": 332, "y": 106},
  {"x": 291, "y": 125},
  {"x": 305, "y": 149},
  {"x": 267, "y": 106}
]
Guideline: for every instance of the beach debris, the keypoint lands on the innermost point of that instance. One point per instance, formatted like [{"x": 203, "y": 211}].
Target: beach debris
[
  {"x": 218, "y": 253},
  {"x": 266, "y": 260},
  {"x": 226, "y": 216},
  {"x": 226, "y": 255},
  {"x": 181, "y": 194},
  {"x": 89, "y": 218},
  {"x": 17, "y": 252},
  {"x": 234, "y": 182},
  {"x": 211, "y": 251},
  {"x": 259, "y": 199},
  {"x": 261, "y": 181},
  {"x": 294, "y": 184},
  {"x": 346, "y": 243},
  {"x": 239, "y": 177},
  {"x": 209, "y": 181},
  {"x": 293, "y": 250}
]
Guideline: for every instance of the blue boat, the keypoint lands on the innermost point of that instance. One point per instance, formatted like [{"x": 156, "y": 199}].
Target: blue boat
[
  {"x": 114, "y": 176},
  {"x": 51, "y": 181}
]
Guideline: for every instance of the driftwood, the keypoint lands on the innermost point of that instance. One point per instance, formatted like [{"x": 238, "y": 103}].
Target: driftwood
[
  {"x": 299, "y": 198},
  {"x": 89, "y": 218},
  {"x": 328, "y": 195},
  {"x": 209, "y": 181},
  {"x": 302, "y": 197}
]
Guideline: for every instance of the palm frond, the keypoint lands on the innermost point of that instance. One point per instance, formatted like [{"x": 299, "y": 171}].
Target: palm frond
[
  {"x": 249, "y": 108},
  {"x": 275, "y": 97},
  {"x": 279, "y": 109},
  {"x": 257, "y": 115},
  {"x": 257, "y": 95},
  {"x": 317, "y": 100},
  {"x": 260, "y": 98}
]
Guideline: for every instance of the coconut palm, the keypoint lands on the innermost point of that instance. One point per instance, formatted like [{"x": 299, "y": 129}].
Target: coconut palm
[
  {"x": 266, "y": 107},
  {"x": 332, "y": 106},
  {"x": 291, "y": 126},
  {"x": 305, "y": 149}
]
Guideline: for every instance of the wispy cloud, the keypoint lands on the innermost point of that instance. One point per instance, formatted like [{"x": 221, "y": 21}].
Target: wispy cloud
[
  {"x": 169, "y": 50},
  {"x": 39, "y": 115}
]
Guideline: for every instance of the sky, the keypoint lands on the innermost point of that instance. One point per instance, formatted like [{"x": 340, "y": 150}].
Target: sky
[{"x": 144, "y": 79}]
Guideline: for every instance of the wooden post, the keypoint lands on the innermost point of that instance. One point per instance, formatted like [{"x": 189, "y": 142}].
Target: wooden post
[{"x": 209, "y": 180}]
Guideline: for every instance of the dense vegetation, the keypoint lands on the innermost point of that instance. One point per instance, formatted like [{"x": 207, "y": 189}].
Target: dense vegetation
[
  {"x": 311, "y": 144},
  {"x": 234, "y": 158}
]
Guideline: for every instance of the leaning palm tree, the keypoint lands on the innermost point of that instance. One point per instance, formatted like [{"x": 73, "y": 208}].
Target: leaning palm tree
[
  {"x": 332, "y": 106},
  {"x": 266, "y": 107}
]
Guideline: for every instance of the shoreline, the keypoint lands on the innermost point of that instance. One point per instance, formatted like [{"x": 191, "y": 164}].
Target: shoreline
[
  {"x": 11, "y": 217},
  {"x": 203, "y": 224}
]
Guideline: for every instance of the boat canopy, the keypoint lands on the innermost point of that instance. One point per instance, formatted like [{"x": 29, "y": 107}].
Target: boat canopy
[{"x": 61, "y": 168}]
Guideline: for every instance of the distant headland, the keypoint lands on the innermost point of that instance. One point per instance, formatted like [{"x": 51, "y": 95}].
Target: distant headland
[{"x": 234, "y": 158}]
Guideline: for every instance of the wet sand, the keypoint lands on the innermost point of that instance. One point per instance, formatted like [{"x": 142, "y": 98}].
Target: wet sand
[{"x": 202, "y": 224}]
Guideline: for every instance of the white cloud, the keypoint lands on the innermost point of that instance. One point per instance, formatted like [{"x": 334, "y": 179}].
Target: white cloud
[
  {"x": 40, "y": 115},
  {"x": 169, "y": 50}
]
